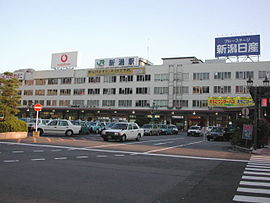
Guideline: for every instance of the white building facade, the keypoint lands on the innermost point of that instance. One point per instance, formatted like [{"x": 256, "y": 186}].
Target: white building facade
[{"x": 175, "y": 92}]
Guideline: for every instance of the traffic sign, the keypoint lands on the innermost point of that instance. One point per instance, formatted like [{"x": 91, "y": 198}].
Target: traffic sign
[{"x": 37, "y": 107}]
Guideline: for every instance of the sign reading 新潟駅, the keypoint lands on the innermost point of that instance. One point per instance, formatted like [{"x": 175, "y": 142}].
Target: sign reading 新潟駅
[
  {"x": 117, "y": 62},
  {"x": 230, "y": 101},
  {"x": 64, "y": 60},
  {"x": 237, "y": 46},
  {"x": 116, "y": 71}
]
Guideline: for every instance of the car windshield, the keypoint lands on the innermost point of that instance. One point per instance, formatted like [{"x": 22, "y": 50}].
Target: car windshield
[
  {"x": 195, "y": 127},
  {"x": 216, "y": 130},
  {"x": 146, "y": 126},
  {"x": 162, "y": 126},
  {"x": 121, "y": 126}
]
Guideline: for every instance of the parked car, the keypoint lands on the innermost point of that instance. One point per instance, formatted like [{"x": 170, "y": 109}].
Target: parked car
[
  {"x": 164, "y": 129},
  {"x": 107, "y": 127},
  {"x": 173, "y": 129},
  {"x": 216, "y": 133},
  {"x": 96, "y": 126},
  {"x": 123, "y": 131},
  {"x": 84, "y": 127},
  {"x": 228, "y": 133},
  {"x": 59, "y": 127},
  {"x": 151, "y": 129},
  {"x": 194, "y": 131}
]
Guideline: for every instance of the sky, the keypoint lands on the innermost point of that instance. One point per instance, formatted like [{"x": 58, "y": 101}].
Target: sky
[{"x": 31, "y": 30}]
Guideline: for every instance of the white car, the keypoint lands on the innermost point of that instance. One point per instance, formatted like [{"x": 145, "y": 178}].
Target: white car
[
  {"x": 194, "y": 131},
  {"x": 123, "y": 131},
  {"x": 59, "y": 127}
]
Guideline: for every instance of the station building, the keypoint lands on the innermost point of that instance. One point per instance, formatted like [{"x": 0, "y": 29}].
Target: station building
[{"x": 182, "y": 90}]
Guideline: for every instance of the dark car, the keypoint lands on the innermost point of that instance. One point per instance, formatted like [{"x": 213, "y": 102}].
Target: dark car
[
  {"x": 216, "y": 133},
  {"x": 164, "y": 130},
  {"x": 228, "y": 133}
]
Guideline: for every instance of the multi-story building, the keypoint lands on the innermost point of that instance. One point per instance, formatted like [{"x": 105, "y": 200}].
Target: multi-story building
[{"x": 176, "y": 91}]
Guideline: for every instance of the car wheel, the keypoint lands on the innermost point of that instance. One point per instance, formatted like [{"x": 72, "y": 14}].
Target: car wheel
[
  {"x": 40, "y": 132},
  {"x": 69, "y": 133},
  {"x": 138, "y": 137},
  {"x": 124, "y": 138}
]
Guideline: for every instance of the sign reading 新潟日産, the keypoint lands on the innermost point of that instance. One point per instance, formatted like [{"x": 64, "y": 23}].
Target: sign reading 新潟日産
[
  {"x": 116, "y": 71},
  {"x": 230, "y": 101}
]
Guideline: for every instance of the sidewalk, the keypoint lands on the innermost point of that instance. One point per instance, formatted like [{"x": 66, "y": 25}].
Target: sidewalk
[{"x": 262, "y": 151}]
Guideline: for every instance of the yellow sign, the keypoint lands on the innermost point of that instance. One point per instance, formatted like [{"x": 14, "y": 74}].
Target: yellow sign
[
  {"x": 116, "y": 71},
  {"x": 230, "y": 101}
]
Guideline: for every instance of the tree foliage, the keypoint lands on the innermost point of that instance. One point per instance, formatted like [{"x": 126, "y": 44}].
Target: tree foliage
[{"x": 9, "y": 98}]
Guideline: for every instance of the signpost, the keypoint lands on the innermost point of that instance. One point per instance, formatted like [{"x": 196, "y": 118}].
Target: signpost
[{"x": 37, "y": 108}]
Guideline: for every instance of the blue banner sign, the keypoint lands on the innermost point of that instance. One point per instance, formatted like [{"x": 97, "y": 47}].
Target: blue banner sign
[{"x": 237, "y": 46}]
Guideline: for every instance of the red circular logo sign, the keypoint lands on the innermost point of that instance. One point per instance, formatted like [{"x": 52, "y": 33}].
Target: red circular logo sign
[
  {"x": 37, "y": 107},
  {"x": 64, "y": 58}
]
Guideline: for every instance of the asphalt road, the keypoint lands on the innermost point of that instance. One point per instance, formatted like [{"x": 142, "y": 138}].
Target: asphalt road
[{"x": 86, "y": 169}]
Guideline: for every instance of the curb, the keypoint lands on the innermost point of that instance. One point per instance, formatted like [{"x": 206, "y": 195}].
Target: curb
[{"x": 13, "y": 135}]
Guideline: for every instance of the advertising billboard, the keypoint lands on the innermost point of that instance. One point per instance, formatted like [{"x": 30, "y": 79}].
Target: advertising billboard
[
  {"x": 230, "y": 101},
  {"x": 64, "y": 60},
  {"x": 237, "y": 46},
  {"x": 117, "y": 62},
  {"x": 116, "y": 71}
]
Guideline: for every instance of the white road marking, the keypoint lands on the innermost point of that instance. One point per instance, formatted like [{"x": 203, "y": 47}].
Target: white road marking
[
  {"x": 10, "y": 161},
  {"x": 17, "y": 152},
  {"x": 40, "y": 159},
  {"x": 263, "y": 184},
  {"x": 60, "y": 158},
  {"x": 256, "y": 173},
  {"x": 81, "y": 157},
  {"x": 162, "y": 143},
  {"x": 102, "y": 156},
  {"x": 257, "y": 166},
  {"x": 130, "y": 152},
  {"x": 252, "y": 190},
  {"x": 257, "y": 169},
  {"x": 255, "y": 178},
  {"x": 119, "y": 155},
  {"x": 38, "y": 151},
  {"x": 56, "y": 150},
  {"x": 242, "y": 198}
]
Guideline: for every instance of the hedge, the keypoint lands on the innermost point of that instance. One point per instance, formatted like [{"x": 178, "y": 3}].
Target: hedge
[{"x": 13, "y": 125}]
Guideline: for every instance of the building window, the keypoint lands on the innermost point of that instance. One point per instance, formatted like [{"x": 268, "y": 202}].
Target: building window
[
  {"x": 52, "y": 92},
  {"x": 263, "y": 74},
  {"x": 40, "y": 92},
  {"x": 65, "y": 81},
  {"x": 28, "y": 92},
  {"x": 94, "y": 91},
  {"x": 125, "y": 103},
  {"x": 52, "y": 81},
  {"x": 200, "y": 90},
  {"x": 200, "y": 76},
  {"x": 64, "y": 102},
  {"x": 161, "y": 90},
  {"x": 79, "y": 103},
  {"x": 29, "y": 82},
  {"x": 109, "y": 91},
  {"x": 244, "y": 75},
  {"x": 142, "y": 103},
  {"x": 110, "y": 79},
  {"x": 94, "y": 79},
  {"x": 179, "y": 90},
  {"x": 241, "y": 89},
  {"x": 142, "y": 90},
  {"x": 222, "y": 75},
  {"x": 65, "y": 91},
  {"x": 199, "y": 103},
  {"x": 108, "y": 103},
  {"x": 143, "y": 78},
  {"x": 161, "y": 103},
  {"x": 79, "y": 92},
  {"x": 222, "y": 89},
  {"x": 125, "y": 90},
  {"x": 93, "y": 103},
  {"x": 39, "y": 102},
  {"x": 126, "y": 78},
  {"x": 79, "y": 80},
  {"x": 161, "y": 77},
  {"x": 181, "y": 77},
  {"x": 19, "y": 92},
  {"x": 180, "y": 103},
  {"x": 40, "y": 82},
  {"x": 51, "y": 102}
]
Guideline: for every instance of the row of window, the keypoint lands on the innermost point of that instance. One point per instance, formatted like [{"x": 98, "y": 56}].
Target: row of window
[
  {"x": 157, "y": 77},
  {"x": 139, "y": 90},
  {"x": 121, "y": 103}
]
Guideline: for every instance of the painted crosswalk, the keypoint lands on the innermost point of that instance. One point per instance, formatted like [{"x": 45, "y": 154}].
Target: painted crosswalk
[{"x": 255, "y": 183}]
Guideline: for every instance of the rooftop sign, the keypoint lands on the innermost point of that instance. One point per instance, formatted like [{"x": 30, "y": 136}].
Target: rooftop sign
[
  {"x": 117, "y": 62},
  {"x": 64, "y": 60},
  {"x": 237, "y": 46}
]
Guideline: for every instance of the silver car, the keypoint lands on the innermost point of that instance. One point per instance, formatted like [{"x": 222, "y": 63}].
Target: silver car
[{"x": 59, "y": 127}]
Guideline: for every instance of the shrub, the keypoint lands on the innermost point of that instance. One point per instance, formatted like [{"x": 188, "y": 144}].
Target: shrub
[{"x": 13, "y": 125}]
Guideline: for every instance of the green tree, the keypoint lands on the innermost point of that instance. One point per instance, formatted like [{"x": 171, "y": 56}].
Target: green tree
[{"x": 9, "y": 98}]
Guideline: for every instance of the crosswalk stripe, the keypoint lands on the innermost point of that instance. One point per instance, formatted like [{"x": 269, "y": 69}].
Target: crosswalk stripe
[
  {"x": 242, "y": 198},
  {"x": 257, "y": 169},
  {"x": 256, "y": 173},
  {"x": 255, "y": 178},
  {"x": 263, "y": 184},
  {"x": 252, "y": 190},
  {"x": 257, "y": 166}
]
